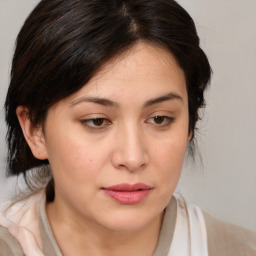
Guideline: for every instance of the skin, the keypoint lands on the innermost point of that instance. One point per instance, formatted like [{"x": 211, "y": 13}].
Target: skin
[{"x": 138, "y": 133}]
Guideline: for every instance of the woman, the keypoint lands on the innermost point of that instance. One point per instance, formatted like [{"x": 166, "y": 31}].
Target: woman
[{"x": 101, "y": 109}]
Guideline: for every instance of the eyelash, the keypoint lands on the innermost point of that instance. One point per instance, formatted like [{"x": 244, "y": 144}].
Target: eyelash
[
  {"x": 86, "y": 123},
  {"x": 166, "y": 121}
]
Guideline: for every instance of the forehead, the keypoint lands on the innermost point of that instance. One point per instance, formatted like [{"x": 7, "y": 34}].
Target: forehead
[{"x": 146, "y": 69}]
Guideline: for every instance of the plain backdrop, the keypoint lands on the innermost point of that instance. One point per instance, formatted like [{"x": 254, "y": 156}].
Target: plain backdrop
[{"x": 224, "y": 182}]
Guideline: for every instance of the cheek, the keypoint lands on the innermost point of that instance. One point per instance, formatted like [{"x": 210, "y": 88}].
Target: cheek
[
  {"x": 75, "y": 169},
  {"x": 73, "y": 159},
  {"x": 171, "y": 150},
  {"x": 167, "y": 165},
  {"x": 168, "y": 161}
]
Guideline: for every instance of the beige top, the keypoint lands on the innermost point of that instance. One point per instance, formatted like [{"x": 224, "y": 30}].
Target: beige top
[{"x": 223, "y": 238}]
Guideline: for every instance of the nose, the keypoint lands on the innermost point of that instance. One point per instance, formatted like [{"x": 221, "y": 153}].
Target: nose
[{"x": 130, "y": 151}]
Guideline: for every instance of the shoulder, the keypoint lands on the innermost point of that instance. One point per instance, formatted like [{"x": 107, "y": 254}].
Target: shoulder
[
  {"x": 9, "y": 246},
  {"x": 228, "y": 238}
]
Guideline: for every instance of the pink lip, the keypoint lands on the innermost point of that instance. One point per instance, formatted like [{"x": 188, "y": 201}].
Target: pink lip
[{"x": 128, "y": 193}]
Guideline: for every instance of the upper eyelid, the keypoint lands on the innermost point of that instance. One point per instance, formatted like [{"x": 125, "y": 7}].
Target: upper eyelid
[
  {"x": 165, "y": 116},
  {"x": 162, "y": 113},
  {"x": 94, "y": 118},
  {"x": 169, "y": 119},
  {"x": 84, "y": 118}
]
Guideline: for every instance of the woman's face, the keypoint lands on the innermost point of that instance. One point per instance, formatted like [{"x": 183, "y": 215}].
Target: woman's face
[{"x": 116, "y": 147}]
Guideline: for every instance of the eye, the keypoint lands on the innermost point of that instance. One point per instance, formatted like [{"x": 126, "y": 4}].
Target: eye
[
  {"x": 96, "y": 123},
  {"x": 160, "y": 120}
]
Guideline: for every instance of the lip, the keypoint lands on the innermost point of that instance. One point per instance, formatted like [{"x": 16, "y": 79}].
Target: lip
[{"x": 128, "y": 193}]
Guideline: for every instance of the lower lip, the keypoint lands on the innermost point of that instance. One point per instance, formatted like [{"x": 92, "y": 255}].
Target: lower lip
[{"x": 128, "y": 197}]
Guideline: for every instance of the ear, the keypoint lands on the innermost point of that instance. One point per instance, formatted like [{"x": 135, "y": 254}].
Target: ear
[{"x": 33, "y": 135}]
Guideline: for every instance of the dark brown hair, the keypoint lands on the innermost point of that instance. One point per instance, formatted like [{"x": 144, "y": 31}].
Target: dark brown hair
[{"x": 63, "y": 43}]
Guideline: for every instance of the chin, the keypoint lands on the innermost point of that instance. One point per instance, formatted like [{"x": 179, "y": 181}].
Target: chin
[{"x": 130, "y": 221}]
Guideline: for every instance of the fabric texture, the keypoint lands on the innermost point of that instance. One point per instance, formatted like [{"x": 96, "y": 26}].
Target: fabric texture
[
  {"x": 9, "y": 246},
  {"x": 190, "y": 238},
  {"x": 22, "y": 221},
  {"x": 229, "y": 240},
  {"x": 25, "y": 230}
]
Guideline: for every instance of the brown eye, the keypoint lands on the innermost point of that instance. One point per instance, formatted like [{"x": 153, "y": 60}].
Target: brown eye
[
  {"x": 159, "y": 119},
  {"x": 98, "y": 121}
]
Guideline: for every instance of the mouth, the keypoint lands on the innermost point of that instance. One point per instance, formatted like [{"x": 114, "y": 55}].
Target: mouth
[{"x": 128, "y": 193}]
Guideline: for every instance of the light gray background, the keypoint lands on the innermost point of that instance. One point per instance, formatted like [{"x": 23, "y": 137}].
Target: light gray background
[{"x": 225, "y": 185}]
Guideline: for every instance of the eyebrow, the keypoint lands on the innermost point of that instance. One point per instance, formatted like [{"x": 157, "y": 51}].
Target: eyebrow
[
  {"x": 169, "y": 96},
  {"x": 110, "y": 103},
  {"x": 97, "y": 100}
]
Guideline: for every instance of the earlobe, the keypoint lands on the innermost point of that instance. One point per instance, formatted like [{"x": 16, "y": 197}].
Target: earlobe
[{"x": 33, "y": 134}]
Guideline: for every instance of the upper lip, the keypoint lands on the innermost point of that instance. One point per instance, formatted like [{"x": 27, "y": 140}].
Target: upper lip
[{"x": 128, "y": 187}]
